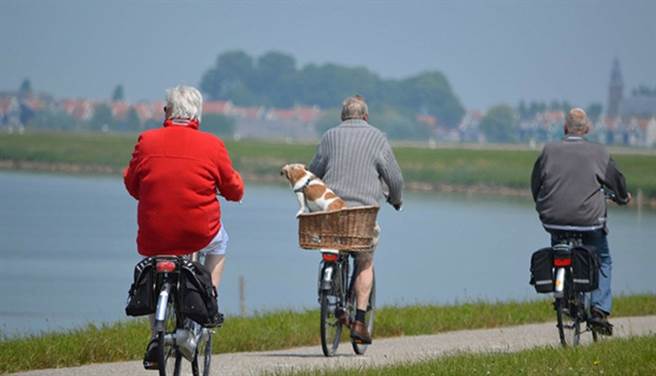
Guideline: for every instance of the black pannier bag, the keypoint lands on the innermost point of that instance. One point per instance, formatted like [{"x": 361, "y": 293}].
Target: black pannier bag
[
  {"x": 198, "y": 295},
  {"x": 542, "y": 273},
  {"x": 141, "y": 298},
  {"x": 585, "y": 268}
]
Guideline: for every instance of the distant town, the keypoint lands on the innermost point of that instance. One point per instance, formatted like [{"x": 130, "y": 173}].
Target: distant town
[{"x": 627, "y": 119}]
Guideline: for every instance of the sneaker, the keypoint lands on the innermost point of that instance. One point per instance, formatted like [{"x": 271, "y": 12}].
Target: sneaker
[
  {"x": 599, "y": 321},
  {"x": 360, "y": 334},
  {"x": 150, "y": 358}
]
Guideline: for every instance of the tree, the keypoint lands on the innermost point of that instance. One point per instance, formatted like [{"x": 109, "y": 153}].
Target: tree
[
  {"x": 25, "y": 89},
  {"x": 118, "y": 94},
  {"x": 329, "y": 118},
  {"x": 500, "y": 124},
  {"x": 523, "y": 110},
  {"x": 132, "y": 121},
  {"x": 231, "y": 79},
  {"x": 276, "y": 79},
  {"x": 220, "y": 125},
  {"x": 594, "y": 111},
  {"x": 554, "y": 105},
  {"x": 431, "y": 93},
  {"x": 48, "y": 119},
  {"x": 102, "y": 118},
  {"x": 398, "y": 124}
]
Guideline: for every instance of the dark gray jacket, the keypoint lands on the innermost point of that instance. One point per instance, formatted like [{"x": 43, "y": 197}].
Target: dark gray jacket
[{"x": 567, "y": 182}]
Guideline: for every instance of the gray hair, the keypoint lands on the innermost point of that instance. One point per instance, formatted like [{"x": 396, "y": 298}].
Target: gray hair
[
  {"x": 184, "y": 102},
  {"x": 354, "y": 108},
  {"x": 577, "y": 122}
]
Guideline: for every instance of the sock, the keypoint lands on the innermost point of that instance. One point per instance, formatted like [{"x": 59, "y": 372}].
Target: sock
[{"x": 359, "y": 315}]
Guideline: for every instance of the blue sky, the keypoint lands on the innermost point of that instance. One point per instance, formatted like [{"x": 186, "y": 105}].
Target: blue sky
[{"x": 491, "y": 51}]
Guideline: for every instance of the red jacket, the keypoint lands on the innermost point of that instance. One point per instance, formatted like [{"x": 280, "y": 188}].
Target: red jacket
[{"x": 175, "y": 173}]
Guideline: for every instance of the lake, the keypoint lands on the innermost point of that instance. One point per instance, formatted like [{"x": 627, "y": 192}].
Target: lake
[{"x": 67, "y": 251}]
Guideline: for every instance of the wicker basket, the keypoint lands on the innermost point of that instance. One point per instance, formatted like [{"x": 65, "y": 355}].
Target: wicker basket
[{"x": 347, "y": 229}]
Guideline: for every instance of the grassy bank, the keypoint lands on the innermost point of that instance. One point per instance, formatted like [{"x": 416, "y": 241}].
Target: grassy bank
[
  {"x": 632, "y": 356},
  {"x": 424, "y": 168},
  {"x": 277, "y": 330}
]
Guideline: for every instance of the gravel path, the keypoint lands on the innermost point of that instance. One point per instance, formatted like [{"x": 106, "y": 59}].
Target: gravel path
[{"x": 383, "y": 352}]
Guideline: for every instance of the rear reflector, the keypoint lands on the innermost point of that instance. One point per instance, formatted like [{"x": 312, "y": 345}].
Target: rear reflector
[
  {"x": 329, "y": 256},
  {"x": 562, "y": 262},
  {"x": 165, "y": 266}
]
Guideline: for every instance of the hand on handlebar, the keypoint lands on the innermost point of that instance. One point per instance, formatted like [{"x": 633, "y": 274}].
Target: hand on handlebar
[{"x": 397, "y": 206}]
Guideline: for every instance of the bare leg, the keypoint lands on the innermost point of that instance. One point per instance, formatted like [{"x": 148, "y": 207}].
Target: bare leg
[
  {"x": 364, "y": 281},
  {"x": 215, "y": 263}
]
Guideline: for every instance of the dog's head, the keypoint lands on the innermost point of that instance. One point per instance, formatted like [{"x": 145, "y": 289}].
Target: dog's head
[{"x": 293, "y": 172}]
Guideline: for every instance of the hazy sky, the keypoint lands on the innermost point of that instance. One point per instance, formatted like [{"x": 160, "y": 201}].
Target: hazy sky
[{"x": 491, "y": 51}]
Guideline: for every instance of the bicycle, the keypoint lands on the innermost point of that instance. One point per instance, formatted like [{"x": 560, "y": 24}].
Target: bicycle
[
  {"x": 338, "y": 235},
  {"x": 573, "y": 308},
  {"x": 338, "y": 303},
  {"x": 178, "y": 337}
]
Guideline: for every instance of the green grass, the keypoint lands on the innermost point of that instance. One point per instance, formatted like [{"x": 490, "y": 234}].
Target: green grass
[
  {"x": 278, "y": 330},
  {"x": 257, "y": 159},
  {"x": 632, "y": 356}
]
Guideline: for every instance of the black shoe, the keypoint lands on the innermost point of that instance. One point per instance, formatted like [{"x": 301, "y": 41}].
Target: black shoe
[
  {"x": 599, "y": 321},
  {"x": 150, "y": 358}
]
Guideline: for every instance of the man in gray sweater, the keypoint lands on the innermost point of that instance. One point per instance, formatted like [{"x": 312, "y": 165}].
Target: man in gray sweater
[
  {"x": 355, "y": 160},
  {"x": 568, "y": 183}
]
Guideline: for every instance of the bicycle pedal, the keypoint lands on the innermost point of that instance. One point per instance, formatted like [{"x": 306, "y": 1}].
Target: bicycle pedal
[{"x": 150, "y": 366}]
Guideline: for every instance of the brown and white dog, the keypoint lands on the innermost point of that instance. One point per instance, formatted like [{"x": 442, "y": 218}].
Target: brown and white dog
[{"x": 311, "y": 190}]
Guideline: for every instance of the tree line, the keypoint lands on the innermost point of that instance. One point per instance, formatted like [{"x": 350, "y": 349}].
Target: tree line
[{"x": 273, "y": 79}]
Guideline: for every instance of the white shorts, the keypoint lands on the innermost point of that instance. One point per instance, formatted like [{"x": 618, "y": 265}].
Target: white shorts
[{"x": 218, "y": 245}]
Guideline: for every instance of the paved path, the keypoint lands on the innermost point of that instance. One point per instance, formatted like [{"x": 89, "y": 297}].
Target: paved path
[{"x": 384, "y": 351}]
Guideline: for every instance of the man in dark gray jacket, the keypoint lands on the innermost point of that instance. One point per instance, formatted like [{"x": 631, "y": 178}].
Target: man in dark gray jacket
[
  {"x": 568, "y": 183},
  {"x": 357, "y": 163}
]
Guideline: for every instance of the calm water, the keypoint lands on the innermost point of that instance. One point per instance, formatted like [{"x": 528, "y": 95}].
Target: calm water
[{"x": 67, "y": 251}]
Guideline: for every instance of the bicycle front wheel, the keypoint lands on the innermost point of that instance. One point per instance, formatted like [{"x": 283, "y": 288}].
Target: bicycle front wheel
[
  {"x": 169, "y": 357},
  {"x": 200, "y": 366},
  {"x": 569, "y": 325},
  {"x": 331, "y": 326},
  {"x": 360, "y": 348}
]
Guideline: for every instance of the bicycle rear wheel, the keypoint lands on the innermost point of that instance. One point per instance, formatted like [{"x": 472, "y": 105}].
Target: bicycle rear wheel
[
  {"x": 169, "y": 357},
  {"x": 361, "y": 348},
  {"x": 568, "y": 323},
  {"x": 331, "y": 326},
  {"x": 200, "y": 365}
]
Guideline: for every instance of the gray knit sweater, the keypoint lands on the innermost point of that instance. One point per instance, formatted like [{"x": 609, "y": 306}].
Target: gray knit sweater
[{"x": 355, "y": 160}]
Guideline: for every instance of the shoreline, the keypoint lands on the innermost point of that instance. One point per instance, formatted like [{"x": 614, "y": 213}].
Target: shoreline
[{"x": 413, "y": 186}]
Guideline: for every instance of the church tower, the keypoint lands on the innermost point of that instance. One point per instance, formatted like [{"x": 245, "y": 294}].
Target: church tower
[{"x": 615, "y": 91}]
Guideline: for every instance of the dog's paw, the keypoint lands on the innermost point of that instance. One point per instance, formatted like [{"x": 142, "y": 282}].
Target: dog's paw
[{"x": 299, "y": 213}]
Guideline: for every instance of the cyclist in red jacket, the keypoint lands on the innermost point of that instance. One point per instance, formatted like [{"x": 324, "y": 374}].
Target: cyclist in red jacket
[{"x": 176, "y": 173}]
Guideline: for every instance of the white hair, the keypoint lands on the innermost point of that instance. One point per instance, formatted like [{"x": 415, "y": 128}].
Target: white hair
[
  {"x": 354, "y": 108},
  {"x": 577, "y": 122},
  {"x": 184, "y": 102}
]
